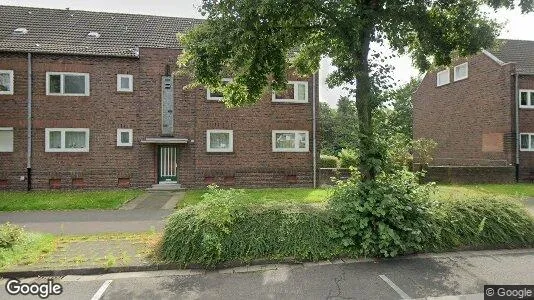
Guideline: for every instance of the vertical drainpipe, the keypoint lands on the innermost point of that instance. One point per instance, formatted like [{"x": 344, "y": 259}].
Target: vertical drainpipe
[
  {"x": 517, "y": 133},
  {"x": 29, "y": 124},
  {"x": 314, "y": 109}
]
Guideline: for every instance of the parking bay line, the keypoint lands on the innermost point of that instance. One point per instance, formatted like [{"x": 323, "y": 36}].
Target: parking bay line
[
  {"x": 101, "y": 290},
  {"x": 394, "y": 287}
]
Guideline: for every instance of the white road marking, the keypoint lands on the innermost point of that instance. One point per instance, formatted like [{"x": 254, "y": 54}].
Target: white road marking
[
  {"x": 101, "y": 290},
  {"x": 395, "y": 287}
]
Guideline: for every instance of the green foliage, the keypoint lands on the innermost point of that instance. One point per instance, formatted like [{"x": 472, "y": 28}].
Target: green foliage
[
  {"x": 401, "y": 119},
  {"x": 348, "y": 158},
  {"x": 338, "y": 127},
  {"x": 382, "y": 218},
  {"x": 328, "y": 161},
  {"x": 225, "y": 226},
  {"x": 10, "y": 235},
  {"x": 480, "y": 222},
  {"x": 423, "y": 150}
]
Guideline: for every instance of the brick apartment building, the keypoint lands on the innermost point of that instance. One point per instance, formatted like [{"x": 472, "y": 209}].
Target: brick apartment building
[
  {"x": 480, "y": 112},
  {"x": 103, "y": 110}
]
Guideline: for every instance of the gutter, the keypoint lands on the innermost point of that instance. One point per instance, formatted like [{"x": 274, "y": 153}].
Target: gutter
[
  {"x": 29, "y": 125},
  {"x": 516, "y": 121},
  {"x": 314, "y": 125}
]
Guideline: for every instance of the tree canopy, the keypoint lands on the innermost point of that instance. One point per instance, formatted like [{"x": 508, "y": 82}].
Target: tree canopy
[{"x": 258, "y": 41}]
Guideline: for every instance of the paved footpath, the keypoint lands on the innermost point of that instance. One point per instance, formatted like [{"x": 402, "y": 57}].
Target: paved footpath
[
  {"x": 459, "y": 275},
  {"x": 147, "y": 212}
]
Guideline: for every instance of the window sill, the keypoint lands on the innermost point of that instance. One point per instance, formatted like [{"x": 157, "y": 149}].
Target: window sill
[
  {"x": 290, "y": 101},
  {"x": 460, "y": 79}
]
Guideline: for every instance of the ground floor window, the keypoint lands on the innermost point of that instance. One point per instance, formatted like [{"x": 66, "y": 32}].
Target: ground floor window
[
  {"x": 66, "y": 140},
  {"x": 6, "y": 139},
  {"x": 124, "y": 137},
  {"x": 290, "y": 141},
  {"x": 218, "y": 140},
  {"x": 527, "y": 141}
]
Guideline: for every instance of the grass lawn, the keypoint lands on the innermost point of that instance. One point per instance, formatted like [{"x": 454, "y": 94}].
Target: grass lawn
[
  {"x": 31, "y": 249},
  {"x": 63, "y": 200},
  {"x": 515, "y": 190},
  {"x": 302, "y": 195}
]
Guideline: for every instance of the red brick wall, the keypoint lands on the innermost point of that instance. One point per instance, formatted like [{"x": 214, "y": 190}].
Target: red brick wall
[
  {"x": 458, "y": 115},
  {"x": 251, "y": 164},
  {"x": 526, "y": 125}
]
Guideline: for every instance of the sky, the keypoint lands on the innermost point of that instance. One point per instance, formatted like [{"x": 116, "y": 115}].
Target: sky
[{"x": 516, "y": 26}]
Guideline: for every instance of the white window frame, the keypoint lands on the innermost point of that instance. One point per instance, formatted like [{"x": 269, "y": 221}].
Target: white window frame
[
  {"x": 296, "y": 149},
  {"x": 9, "y": 148},
  {"x": 456, "y": 78},
  {"x": 530, "y": 137},
  {"x": 62, "y": 84},
  {"x": 130, "y": 82},
  {"x": 530, "y": 100},
  {"x": 130, "y": 137},
  {"x": 446, "y": 71},
  {"x": 230, "y": 143},
  {"x": 295, "y": 93},
  {"x": 63, "y": 131},
  {"x": 208, "y": 91},
  {"x": 11, "y": 82}
]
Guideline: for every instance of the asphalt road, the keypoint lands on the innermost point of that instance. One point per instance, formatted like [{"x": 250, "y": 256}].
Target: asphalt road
[{"x": 461, "y": 275}]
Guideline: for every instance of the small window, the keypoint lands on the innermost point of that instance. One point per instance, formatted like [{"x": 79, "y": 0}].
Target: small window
[
  {"x": 526, "y": 98},
  {"x": 220, "y": 140},
  {"x": 443, "y": 77},
  {"x": 124, "y": 137},
  {"x": 6, "y": 139},
  {"x": 527, "y": 141},
  {"x": 6, "y": 82},
  {"x": 290, "y": 141},
  {"x": 217, "y": 95},
  {"x": 461, "y": 72},
  {"x": 67, "y": 84},
  {"x": 124, "y": 83},
  {"x": 296, "y": 92},
  {"x": 66, "y": 140}
]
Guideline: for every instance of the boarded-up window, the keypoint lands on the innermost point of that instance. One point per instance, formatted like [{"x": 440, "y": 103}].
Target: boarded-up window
[{"x": 492, "y": 142}]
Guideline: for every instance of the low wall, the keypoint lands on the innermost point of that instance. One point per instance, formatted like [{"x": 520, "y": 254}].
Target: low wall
[{"x": 470, "y": 174}]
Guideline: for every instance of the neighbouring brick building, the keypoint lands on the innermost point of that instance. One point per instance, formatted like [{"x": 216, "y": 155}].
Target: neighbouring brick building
[
  {"x": 102, "y": 109},
  {"x": 480, "y": 111}
]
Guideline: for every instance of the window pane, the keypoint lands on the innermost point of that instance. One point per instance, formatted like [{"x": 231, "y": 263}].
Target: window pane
[
  {"x": 531, "y": 98},
  {"x": 54, "y": 84},
  {"x": 75, "y": 140},
  {"x": 125, "y": 137},
  {"x": 461, "y": 72},
  {"x": 74, "y": 84},
  {"x": 301, "y": 92},
  {"x": 302, "y": 140},
  {"x": 531, "y": 143},
  {"x": 524, "y": 141},
  {"x": 5, "y": 82},
  {"x": 288, "y": 93},
  {"x": 6, "y": 140},
  {"x": 54, "y": 140},
  {"x": 285, "y": 140},
  {"x": 125, "y": 83},
  {"x": 219, "y": 140},
  {"x": 524, "y": 96}
]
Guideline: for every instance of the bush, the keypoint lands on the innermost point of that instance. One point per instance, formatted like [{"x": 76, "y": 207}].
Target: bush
[
  {"x": 382, "y": 218},
  {"x": 348, "y": 158},
  {"x": 483, "y": 222},
  {"x": 329, "y": 161},
  {"x": 10, "y": 235},
  {"x": 225, "y": 227}
]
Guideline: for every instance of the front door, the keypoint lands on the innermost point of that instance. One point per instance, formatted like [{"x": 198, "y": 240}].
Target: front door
[{"x": 167, "y": 163}]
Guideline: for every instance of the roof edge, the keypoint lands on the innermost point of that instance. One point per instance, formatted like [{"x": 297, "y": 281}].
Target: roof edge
[{"x": 493, "y": 57}]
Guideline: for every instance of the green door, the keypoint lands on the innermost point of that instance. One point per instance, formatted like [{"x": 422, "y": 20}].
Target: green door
[{"x": 167, "y": 163}]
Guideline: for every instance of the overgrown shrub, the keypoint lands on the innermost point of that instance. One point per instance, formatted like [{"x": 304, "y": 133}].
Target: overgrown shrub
[
  {"x": 10, "y": 235},
  {"x": 226, "y": 227},
  {"x": 481, "y": 222},
  {"x": 382, "y": 218},
  {"x": 329, "y": 161},
  {"x": 348, "y": 158}
]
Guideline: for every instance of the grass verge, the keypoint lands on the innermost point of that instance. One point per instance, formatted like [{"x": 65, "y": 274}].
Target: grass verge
[
  {"x": 65, "y": 200},
  {"x": 30, "y": 249}
]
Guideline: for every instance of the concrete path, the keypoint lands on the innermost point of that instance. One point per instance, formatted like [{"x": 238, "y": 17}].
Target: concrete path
[
  {"x": 529, "y": 204},
  {"x": 460, "y": 275},
  {"x": 147, "y": 212}
]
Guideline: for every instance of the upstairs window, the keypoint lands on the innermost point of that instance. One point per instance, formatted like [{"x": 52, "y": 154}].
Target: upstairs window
[
  {"x": 461, "y": 72},
  {"x": 6, "y": 82},
  {"x": 124, "y": 83},
  {"x": 290, "y": 141},
  {"x": 67, "y": 84},
  {"x": 6, "y": 139},
  {"x": 220, "y": 140},
  {"x": 124, "y": 137},
  {"x": 66, "y": 140},
  {"x": 527, "y": 141},
  {"x": 296, "y": 92},
  {"x": 443, "y": 77},
  {"x": 218, "y": 95},
  {"x": 526, "y": 98}
]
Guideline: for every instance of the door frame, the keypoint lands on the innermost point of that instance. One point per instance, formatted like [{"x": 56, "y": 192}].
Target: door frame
[{"x": 160, "y": 179}]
